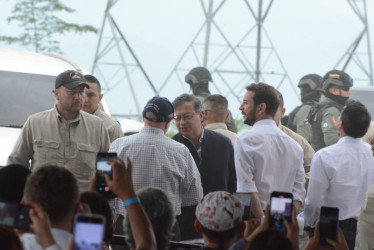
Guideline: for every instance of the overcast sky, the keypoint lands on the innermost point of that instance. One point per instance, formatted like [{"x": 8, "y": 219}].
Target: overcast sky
[{"x": 310, "y": 36}]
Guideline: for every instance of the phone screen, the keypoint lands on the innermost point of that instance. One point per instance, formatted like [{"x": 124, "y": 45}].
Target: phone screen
[
  {"x": 88, "y": 232},
  {"x": 14, "y": 215},
  {"x": 245, "y": 199},
  {"x": 328, "y": 224},
  {"x": 102, "y": 168},
  {"x": 280, "y": 210}
]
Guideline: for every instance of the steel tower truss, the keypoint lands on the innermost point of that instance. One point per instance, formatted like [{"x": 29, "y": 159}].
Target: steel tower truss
[
  {"x": 117, "y": 66},
  {"x": 358, "y": 55},
  {"x": 252, "y": 58}
]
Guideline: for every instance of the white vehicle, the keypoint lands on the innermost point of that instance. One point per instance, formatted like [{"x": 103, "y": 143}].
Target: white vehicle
[{"x": 26, "y": 83}]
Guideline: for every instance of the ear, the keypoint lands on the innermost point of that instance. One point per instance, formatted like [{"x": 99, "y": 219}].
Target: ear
[
  {"x": 55, "y": 92},
  {"x": 202, "y": 116},
  {"x": 197, "y": 226},
  {"x": 227, "y": 116},
  {"x": 261, "y": 109},
  {"x": 100, "y": 97},
  {"x": 77, "y": 208},
  {"x": 167, "y": 125},
  {"x": 339, "y": 124},
  {"x": 283, "y": 111}
]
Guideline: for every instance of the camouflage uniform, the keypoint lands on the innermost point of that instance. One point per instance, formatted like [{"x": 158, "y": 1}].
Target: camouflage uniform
[
  {"x": 324, "y": 117},
  {"x": 198, "y": 78},
  {"x": 310, "y": 90}
]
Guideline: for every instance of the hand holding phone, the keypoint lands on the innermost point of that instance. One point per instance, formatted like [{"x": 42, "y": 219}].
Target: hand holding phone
[
  {"x": 102, "y": 168},
  {"x": 88, "y": 231},
  {"x": 14, "y": 215},
  {"x": 245, "y": 199},
  {"x": 121, "y": 183},
  {"x": 280, "y": 210},
  {"x": 328, "y": 224}
]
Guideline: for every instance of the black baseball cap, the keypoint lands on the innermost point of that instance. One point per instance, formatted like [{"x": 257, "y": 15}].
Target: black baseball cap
[
  {"x": 158, "y": 109},
  {"x": 70, "y": 79}
]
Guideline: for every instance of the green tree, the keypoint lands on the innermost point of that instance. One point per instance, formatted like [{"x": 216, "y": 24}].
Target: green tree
[{"x": 40, "y": 24}]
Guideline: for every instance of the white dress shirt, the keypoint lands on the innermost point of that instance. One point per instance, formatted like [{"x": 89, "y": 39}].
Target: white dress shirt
[
  {"x": 158, "y": 161},
  {"x": 340, "y": 176},
  {"x": 266, "y": 160},
  {"x": 60, "y": 236}
]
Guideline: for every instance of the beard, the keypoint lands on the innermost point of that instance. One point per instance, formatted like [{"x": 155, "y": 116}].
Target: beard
[{"x": 251, "y": 118}]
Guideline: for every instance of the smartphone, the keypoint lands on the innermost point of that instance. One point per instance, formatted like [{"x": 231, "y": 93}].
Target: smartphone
[
  {"x": 88, "y": 231},
  {"x": 102, "y": 168},
  {"x": 14, "y": 215},
  {"x": 245, "y": 199},
  {"x": 328, "y": 224},
  {"x": 280, "y": 209}
]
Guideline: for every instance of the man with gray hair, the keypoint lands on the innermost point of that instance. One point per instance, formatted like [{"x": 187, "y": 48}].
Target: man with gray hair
[{"x": 213, "y": 154}]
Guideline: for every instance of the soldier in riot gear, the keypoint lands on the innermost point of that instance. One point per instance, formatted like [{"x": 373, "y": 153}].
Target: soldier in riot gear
[
  {"x": 310, "y": 90},
  {"x": 324, "y": 116},
  {"x": 198, "y": 78}
]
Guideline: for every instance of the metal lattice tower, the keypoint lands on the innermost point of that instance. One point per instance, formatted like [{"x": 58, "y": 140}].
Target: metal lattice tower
[
  {"x": 233, "y": 62},
  {"x": 252, "y": 58},
  {"x": 117, "y": 66},
  {"x": 358, "y": 56}
]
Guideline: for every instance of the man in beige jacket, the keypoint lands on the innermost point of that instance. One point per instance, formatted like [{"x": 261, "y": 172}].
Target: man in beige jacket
[
  {"x": 307, "y": 148},
  {"x": 63, "y": 135},
  {"x": 216, "y": 114}
]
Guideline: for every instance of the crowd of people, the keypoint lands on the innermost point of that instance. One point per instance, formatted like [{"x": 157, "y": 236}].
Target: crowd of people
[{"x": 183, "y": 189}]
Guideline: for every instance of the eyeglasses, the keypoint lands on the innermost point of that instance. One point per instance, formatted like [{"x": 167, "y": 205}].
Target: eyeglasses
[{"x": 185, "y": 117}]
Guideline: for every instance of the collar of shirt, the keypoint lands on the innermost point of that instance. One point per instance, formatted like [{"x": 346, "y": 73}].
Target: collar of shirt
[
  {"x": 201, "y": 137},
  {"x": 97, "y": 112},
  {"x": 349, "y": 139},
  {"x": 200, "y": 140},
  {"x": 60, "y": 118},
  {"x": 153, "y": 130},
  {"x": 265, "y": 122},
  {"x": 217, "y": 125}
]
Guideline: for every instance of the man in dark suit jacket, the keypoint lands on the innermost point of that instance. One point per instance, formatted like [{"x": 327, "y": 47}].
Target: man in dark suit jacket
[{"x": 213, "y": 153}]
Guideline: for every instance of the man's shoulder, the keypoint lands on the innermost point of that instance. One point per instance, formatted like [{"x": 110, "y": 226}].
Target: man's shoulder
[
  {"x": 326, "y": 105},
  {"x": 89, "y": 116},
  {"x": 177, "y": 137},
  {"x": 29, "y": 242},
  {"x": 304, "y": 110},
  {"x": 298, "y": 138},
  {"x": 42, "y": 114},
  {"x": 106, "y": 117},
  {"x": 210, "y": 134}
]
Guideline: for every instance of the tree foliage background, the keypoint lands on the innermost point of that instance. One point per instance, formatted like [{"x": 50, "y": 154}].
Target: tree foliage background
[{"x": 40, "y": 24}]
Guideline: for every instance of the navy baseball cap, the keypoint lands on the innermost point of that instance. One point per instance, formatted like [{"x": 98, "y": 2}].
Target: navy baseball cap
[
  {"x": 70, "y": 79},
  {"x": 158, "y": 109}
]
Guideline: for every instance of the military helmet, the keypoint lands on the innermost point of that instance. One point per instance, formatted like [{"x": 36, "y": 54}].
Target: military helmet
[
  {"x": 314, "y": 82},
  {"x": 337, "y": 78},
  {"x": 198, "y": 75}
]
